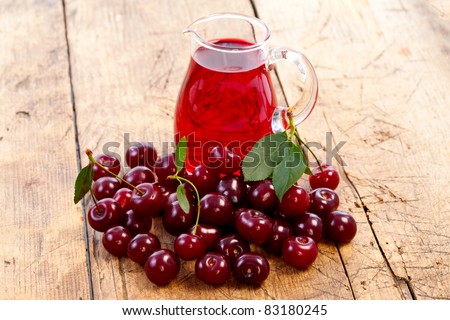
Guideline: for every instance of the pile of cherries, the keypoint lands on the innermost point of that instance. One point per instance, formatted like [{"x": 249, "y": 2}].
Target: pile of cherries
[{"x": 235, "y": 216}]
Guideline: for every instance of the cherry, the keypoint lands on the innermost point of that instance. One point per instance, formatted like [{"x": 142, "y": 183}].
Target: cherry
[
  {"x": 210, "y": 234},
  {"x": 328, "y": 177},
  {"x": 138, "y": 175},
  {"x": 232, "y": 246},
  {"x": 299, "y": 252},
  {"x": 339, "y": 226},
  {"x": 262, "y": 196},
  {"x": 189, "y": 247},
  {"x": 141, "y": 154},
  {"x": 165, "y": 167},
  {"x": 148, "y": 204},
  {"x": 162, "y": 266},
  {"x": 115, "y": 240},
  {"x": 215, "y": 209},
  {"x": 142, "y": 246},
  {"x": 295, "y": 202},
  {"x": 213, "y": 268},
  {"x": 175, "y": 221},
  {"x": 309, "y": 224},
  {"x": 281, "y": 230},
  {"x": 251, "y": 268},
  {"x": 254, "y": 226},
  {"x": 323, "y": 200},
  {"x": 106, "y": 214},
  {"x": 108, "y": 161},
  {"x": 105, "y": 187},
  {"x": 233, "y": 187},
  {"x": 224, "y": 160},
  {"x": 136, "y": 224},
  {"x": 123, "y": 198},
  {"x": 204, "y": 179}
]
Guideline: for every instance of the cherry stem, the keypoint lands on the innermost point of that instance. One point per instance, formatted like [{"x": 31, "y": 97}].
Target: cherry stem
[
  {"x": 93, "y": 161},
  {"x": 177, "y": 177},
  {"x": 301, "y": 142},
  {"x": 93, "y": 198}
]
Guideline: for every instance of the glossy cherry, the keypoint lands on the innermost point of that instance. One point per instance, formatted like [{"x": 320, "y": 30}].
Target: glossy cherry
[
  {"x": 281, "y": 230},
  {"x": 210, "y": 234},
  {"x": 232, "y": 246},
  {"x": 108, "y": 161},
  {"x": 213, "y": 268},
  {"x": 123, "y": 198},
  {"x": 254, "y": 226},
  {"x": 204, "y": 179},
  {"x": 328, "y": 177},
  {"x": 106, "y": 214},
  {"x": 141, "y": 154},
  {"x": 189, "y": 247},
  {"x": 262, "y": 196},
  {"x": 215, "y": 209},
  {"x": 322, "y": 201},
  {"x": 251, "y": 268},
  {"x": 295, "y": 202},
  {"x": 299, "y": 251},
  {"x": 223, "y": 160},
  {"x": 309, "y": 224},
  {"x": 138, "y": 175},
  {"x": 339, "y": 226},
  {"x": 115, "y": 240},
  {"x": 165, "y": 167},
  {"x": 105, "y": 187},
  {"x": 148, "y": 204},
  {"x": 136, "y": 224},
  {"x": 142, "y": 246},
  {"x": 175, "y": 220},
  {"x": 233, "y": 187},
  {"x": 162, "y": 266}
]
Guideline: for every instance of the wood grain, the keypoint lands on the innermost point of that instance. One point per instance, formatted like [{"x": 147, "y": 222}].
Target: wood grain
[
  {"x": 384, "y": 76},
  {"x": 42, "y": 246}
]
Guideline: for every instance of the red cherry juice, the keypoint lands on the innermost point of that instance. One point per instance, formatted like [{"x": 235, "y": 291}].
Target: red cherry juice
[{"x": 227, "y": 97}]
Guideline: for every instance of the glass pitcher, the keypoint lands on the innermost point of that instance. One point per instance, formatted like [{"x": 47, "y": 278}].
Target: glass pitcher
[{"x": 227, "y": 96}]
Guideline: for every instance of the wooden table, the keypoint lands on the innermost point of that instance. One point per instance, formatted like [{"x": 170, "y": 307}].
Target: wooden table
[{"x": 97, "y": 74}]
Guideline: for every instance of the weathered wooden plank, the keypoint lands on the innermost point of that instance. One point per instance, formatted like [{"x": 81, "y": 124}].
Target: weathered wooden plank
[
  {"x": 128, "y": 61},
  {"x": 384, "y": 75},
  {"x": 42, "y": 246}
]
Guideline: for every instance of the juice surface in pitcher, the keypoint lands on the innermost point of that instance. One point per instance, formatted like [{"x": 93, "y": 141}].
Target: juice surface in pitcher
[{"x": 224, "y": 102}]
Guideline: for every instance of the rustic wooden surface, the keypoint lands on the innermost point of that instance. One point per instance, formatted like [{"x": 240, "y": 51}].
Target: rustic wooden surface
[{"x": 98, "y": 74}]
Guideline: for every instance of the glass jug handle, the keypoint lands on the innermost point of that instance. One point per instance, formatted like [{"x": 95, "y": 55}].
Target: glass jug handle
[{"x": 305, "y": 105}]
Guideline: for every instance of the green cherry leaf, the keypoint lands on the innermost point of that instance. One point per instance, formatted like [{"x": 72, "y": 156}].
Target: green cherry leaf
[
  {"x": 180, "y": 153},
  {"x": 182, "y": 198},
  {"x": 83, "y": 182},
  {"x": 260, "y": 162},
  {"x": 289, "y": 170}
]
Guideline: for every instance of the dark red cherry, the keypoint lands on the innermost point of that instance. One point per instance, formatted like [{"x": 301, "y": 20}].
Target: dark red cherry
[
  {"x": 189, "y": 247},
  {"x": 254, "y": 226},
  {"x": 142, "y": 246},
  {"x": 215, "y": 209},
  {"x": 204, "y": 179},
  {"x": 162, "y": 266},
  {"x": 105, "y": 187},
  {"x": 295, "y": 202},
  {"x": 309, "y": 224},
  {"x": 138, "y": 175},
  {"x": 148, "y": 204},
  {"x": 213, "y": 268},
  {"x": 251, "y": 268},
  {"x": 232, "y": 246},
  {"x": 105, "y": 215},
  {"x": 299, "y": 252},
  {"x": 233, "y": 187},
  {"x": 262, "y": 196},
  {"x": 136, "y": 224},
  {"x": 210, "y": 234},
  {"x": 328, "y": 177},
  {"x": 165, "y": 167},
  {"x": 224, "y": 160},
  {"x": 281, "y": 230},
  {"x": 175, "y": 220},
  {"x": 141, "y": 154},
  {"x": 115, "y": 240},
  {"x": 108, "y": 161},
  {"x": 339, "y": 226},
  {"x": 322, "y": 201},
  {"x": 123, "y": 198}
]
